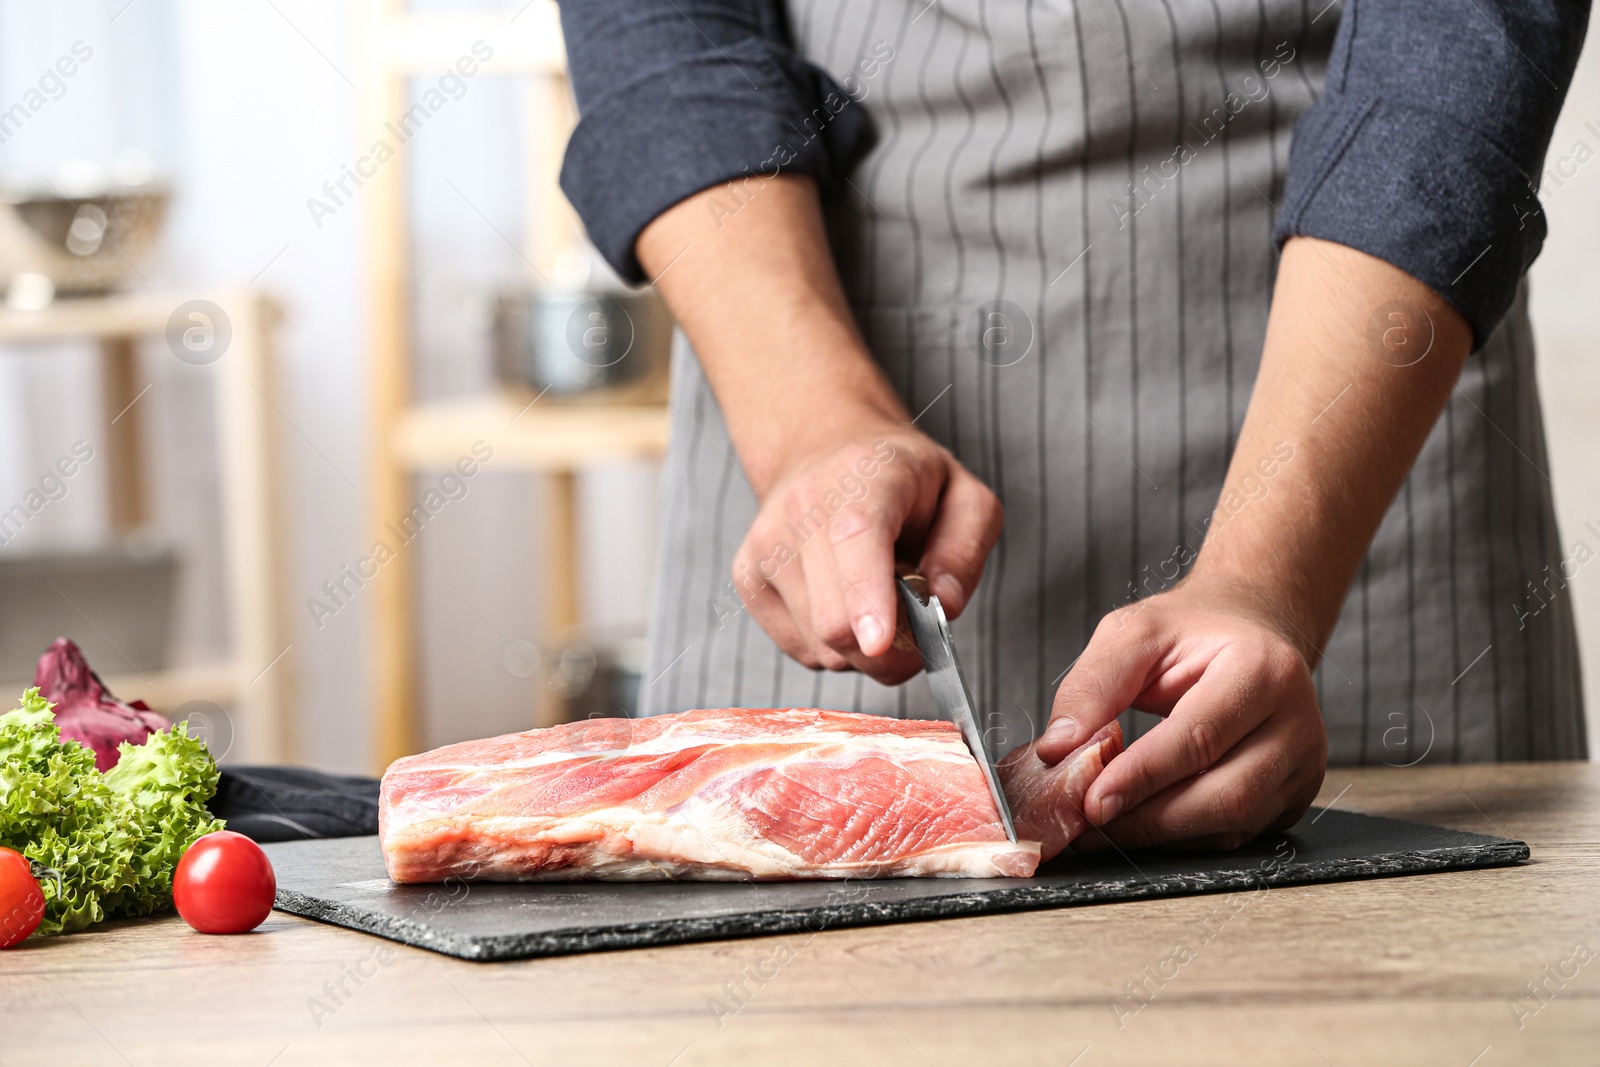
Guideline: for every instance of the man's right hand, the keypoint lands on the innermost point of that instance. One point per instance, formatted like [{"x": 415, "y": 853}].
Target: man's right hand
[
  {"x": 843, "y": 476},
  {"x": 817, "y": 567}
]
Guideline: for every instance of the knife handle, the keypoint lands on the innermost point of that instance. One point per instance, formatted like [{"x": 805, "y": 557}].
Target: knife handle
[{"x": 916, "y": 585}]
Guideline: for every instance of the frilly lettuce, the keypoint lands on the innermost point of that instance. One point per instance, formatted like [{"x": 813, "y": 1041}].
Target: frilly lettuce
[{"x": 115, "y": 838}]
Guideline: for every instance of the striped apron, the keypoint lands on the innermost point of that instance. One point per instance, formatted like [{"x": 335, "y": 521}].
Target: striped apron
[{"x": 1097, "y": 180}]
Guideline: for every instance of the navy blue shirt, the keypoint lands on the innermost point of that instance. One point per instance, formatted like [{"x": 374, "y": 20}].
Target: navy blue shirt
[{"x": 1424, "y": 150}]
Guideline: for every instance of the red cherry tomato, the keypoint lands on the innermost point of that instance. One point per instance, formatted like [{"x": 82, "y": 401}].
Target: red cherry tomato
[
  {"x": 21, "y": 899},
  {"x": 224, "y": 884}
]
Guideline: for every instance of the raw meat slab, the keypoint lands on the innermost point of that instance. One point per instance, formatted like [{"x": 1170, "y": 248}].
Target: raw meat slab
[
  {"x": 343, "y": 882},
  {"x": 712, "y": 794}
]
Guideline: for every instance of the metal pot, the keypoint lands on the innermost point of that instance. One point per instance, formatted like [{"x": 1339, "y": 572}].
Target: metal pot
[
  {"x": 580, "y": 340},
  {"x": 83, "y": 244}
]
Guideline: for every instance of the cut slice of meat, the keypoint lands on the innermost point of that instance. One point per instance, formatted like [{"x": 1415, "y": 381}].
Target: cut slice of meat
[
  {"x": 728, "y": 794},
  {"x": 1047, "y": 802}
]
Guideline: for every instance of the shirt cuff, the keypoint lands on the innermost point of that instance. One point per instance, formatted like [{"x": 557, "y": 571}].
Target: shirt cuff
[
  {"x": 1423, "y": 193},
  {"x": 747, "y": 109}
]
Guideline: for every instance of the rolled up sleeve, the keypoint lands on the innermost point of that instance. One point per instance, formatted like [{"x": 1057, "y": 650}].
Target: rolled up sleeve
[
  {"x": 1426, "y": 147},
  {"x": 675, "y": 96}
]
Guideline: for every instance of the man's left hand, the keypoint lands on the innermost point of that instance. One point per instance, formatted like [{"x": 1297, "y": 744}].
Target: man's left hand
[{"x": 1242, "y": 748}]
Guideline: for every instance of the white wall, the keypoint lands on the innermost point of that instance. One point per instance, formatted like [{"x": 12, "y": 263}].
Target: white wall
[{"x": 1565, "y": 294}]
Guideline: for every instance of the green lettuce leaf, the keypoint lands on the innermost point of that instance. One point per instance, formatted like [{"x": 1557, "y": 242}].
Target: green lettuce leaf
[
  {"x": 115, "y": 838},
  {"x": 166, "y": 781}
]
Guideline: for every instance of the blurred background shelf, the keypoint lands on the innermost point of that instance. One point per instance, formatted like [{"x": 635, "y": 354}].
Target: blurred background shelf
[
  {"x": 549, "y": 435},
  {"x": 168, "y": 690},
  {"x": 120, "y": 315},
  {"x": 255, "y": 679},
  {"x": 219, "y": 683}
]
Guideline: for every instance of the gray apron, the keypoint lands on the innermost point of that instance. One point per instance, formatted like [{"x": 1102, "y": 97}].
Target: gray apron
[{"x": 1060, "y": 252}]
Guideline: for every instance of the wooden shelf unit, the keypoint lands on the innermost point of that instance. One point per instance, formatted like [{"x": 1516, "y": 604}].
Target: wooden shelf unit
[
  {"x": 550, "y": 437},
  {"x": 554, "y": 439},
  {"x": 257, "y": 678}
]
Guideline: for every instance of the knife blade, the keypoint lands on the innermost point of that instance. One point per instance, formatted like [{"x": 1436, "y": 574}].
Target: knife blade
[{"x": 932, "y": 632}]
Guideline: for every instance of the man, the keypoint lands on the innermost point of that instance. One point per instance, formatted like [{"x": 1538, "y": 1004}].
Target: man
[{"x": 936, "y": 257}]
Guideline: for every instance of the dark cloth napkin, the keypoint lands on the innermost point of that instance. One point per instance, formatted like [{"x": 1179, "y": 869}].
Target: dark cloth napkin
[{"x": 293, "y": 803}]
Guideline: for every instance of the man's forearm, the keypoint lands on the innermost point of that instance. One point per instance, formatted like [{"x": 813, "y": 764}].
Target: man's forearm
[
  {"x": 816, "y": 424},
  {"x": 757, "y": 294},
  {"x": 1358, "y": 362}
]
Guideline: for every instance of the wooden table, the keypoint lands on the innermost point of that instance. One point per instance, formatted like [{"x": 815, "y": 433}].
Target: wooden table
[{"x": 1403, "y": 970}]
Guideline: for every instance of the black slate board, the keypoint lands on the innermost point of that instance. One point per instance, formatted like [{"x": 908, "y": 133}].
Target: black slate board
[{"x": 342, "y": 881}]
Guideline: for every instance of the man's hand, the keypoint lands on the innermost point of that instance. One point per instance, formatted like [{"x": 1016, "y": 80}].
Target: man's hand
[
  {"x": 843, "y": 477},
  {"x": 1358, "y": 362},
  {"x": 1242, "y": 748},
  {"x": 817, "y": 567}
]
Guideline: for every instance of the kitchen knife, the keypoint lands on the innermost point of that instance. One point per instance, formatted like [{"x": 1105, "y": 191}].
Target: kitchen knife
[{"x": 932, "y": 633}]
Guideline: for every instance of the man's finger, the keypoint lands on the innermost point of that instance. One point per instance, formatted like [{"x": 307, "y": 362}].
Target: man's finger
[
  {"x": 767, "y": 608},
  {"x": 1228, "y": 805},
  {"x": 862, "y": 539},
  {"x": 964, "y": 531},
  {"x": 779, "y": 607},
  {"x": 827, "y": 619},
  {"x": 1123, "y": 656},
  {"x": 891, "y": 668},
  {"x": 1213, "y": 716}
]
